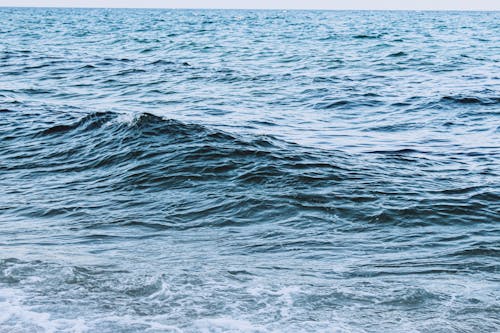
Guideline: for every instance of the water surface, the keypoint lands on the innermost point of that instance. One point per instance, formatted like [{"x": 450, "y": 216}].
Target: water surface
[{"x": 249, "y": 171}]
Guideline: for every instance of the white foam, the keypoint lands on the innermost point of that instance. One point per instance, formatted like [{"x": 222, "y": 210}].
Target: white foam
[
  {"x": 224, "y": 324},
  {"x": 128, "y": 118},
  {"x": 16, "y": 316}
]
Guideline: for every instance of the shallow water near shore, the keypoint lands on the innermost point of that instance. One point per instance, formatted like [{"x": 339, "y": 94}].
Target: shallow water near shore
[{"x": 249, "y": 171}]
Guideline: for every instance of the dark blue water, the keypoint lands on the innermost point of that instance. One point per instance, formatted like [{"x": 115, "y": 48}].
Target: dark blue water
[{"x": 249, "y": 171}]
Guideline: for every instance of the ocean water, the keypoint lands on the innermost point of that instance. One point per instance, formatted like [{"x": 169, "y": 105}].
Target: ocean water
[{"x": 249, "y": 171}]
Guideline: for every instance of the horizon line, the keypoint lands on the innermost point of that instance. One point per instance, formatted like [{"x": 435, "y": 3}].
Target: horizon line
[{"x": 263, "y": 9}]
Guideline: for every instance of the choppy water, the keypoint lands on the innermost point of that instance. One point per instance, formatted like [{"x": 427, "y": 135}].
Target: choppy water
[{"x": 213, "y": 171}]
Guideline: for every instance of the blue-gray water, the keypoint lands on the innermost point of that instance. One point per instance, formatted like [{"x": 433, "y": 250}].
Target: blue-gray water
[{"x": 249, "y": 171}]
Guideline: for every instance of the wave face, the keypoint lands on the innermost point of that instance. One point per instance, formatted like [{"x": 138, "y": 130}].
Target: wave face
[{"x": 249, "y": 171}]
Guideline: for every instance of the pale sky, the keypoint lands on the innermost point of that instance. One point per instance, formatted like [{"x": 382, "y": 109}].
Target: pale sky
[{"x": 268, "y": 4}]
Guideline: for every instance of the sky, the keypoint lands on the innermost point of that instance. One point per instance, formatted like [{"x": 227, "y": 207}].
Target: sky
[{"x": 269, "y": 4}]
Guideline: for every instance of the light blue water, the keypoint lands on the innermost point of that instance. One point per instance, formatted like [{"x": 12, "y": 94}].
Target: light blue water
[{"x": 249, "y": 171}]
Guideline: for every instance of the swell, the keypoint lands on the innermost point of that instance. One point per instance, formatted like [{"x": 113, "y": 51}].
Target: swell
[
  {"x": 473, "y": 100},
  {"x": 123, "y": 162},
  {"x": 171, "y": 174},
  {"x": 104, "y": 139}
]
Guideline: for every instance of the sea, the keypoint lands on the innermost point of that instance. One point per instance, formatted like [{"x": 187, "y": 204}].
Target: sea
[{"x": 249, "y": 171}]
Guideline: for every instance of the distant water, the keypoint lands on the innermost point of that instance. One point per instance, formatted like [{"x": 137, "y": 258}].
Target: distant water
[{"x": 249, "y": 171}]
